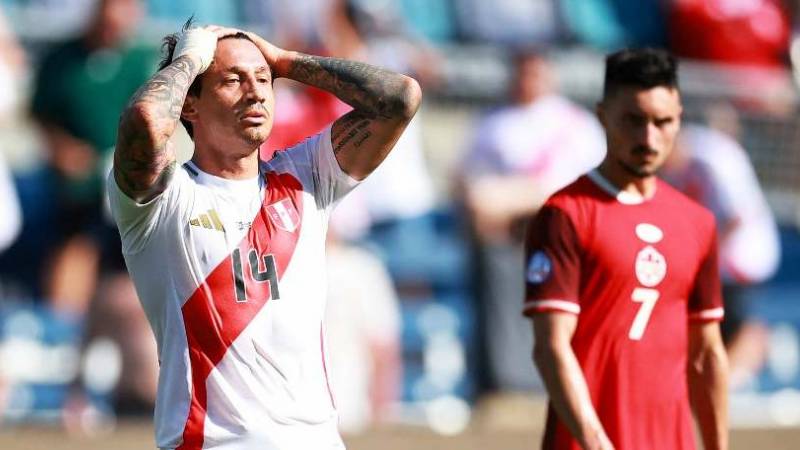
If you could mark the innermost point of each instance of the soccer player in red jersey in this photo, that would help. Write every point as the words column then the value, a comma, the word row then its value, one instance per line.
column 623, row 285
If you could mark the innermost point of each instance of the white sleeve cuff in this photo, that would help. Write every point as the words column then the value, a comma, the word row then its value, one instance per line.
column 708, row 314
column 533, row 306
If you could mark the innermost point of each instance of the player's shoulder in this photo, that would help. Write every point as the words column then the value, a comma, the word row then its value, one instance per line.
column 574, row 195
column 285, row 161
column 570, row 206
column 290, row 168
column 187, row 173
column 689, row 208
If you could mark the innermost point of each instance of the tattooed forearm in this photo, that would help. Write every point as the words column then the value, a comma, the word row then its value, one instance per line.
column 167, row 90
column 383, row 104
column 373, row 91
column 142, row 159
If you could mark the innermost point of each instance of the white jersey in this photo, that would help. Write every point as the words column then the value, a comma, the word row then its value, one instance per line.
column 231, row 275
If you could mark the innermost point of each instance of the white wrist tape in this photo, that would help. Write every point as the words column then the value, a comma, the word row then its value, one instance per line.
column 199, row 42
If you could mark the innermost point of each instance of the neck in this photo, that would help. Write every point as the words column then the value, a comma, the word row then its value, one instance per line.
column 232, row 166
column 624, row 180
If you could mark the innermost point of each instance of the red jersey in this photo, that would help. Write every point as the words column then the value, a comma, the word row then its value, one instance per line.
column 635, row 272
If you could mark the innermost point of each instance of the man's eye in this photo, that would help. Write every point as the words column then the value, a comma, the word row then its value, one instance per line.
column 663, row 122
column 231, row 80
column 636, row 120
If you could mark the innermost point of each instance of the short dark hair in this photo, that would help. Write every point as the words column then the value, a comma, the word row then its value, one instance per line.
column 644, row 68
column 168, row 50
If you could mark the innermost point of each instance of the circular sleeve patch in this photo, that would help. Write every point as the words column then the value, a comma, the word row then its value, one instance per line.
column 539, row 268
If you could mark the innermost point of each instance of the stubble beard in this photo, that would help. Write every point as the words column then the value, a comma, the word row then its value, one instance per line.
column 255, row 136
column 638, row 172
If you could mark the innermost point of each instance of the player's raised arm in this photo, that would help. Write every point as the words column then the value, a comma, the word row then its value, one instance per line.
column 143, row 160
column 708, row 383
column 564, row 380
column 383, row 102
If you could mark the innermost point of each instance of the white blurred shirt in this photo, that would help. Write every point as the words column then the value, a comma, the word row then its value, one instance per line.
column 718, row 174
column 551, row 140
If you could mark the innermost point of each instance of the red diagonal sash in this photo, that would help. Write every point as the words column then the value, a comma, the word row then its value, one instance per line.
column 213, row 317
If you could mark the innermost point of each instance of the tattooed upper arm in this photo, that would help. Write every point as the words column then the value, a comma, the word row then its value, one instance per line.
column 383, row 104
column 143, row 159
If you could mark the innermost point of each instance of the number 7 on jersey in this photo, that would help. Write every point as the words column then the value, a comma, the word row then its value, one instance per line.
column 648, row 298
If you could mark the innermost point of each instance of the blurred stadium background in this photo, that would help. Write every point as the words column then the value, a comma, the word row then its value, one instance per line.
column 63, row 382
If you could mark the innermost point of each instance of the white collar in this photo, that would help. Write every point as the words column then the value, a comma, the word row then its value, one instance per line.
column 213, row 180
column 624, row 197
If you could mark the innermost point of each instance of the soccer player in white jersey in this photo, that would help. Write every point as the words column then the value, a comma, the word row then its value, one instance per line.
column 227, row 251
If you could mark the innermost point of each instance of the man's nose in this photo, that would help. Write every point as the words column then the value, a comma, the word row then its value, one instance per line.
column 649, row 136
column 255, row 91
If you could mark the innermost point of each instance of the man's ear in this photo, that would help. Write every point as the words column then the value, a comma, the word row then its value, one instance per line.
column 189, row 110
column 599, row 110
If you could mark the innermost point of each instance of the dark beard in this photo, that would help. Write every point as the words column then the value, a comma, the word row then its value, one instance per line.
column 637, row 172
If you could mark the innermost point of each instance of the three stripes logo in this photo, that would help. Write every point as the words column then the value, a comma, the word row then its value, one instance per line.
column 210, row 221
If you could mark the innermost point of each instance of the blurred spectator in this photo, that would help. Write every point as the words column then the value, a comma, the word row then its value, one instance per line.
column 750, row 38
column 746, row 32
column 13, row 66
column 298, row 24
column 520, row 155
column 362, row 328
column 611, row 24
column 81, row 87
column 713, row 169
column 393, row 208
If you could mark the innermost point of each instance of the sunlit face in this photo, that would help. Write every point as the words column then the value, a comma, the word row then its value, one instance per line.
column 641, row 127
column 235, row 106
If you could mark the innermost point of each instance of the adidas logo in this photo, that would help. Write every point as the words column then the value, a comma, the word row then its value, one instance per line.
column 210, row 221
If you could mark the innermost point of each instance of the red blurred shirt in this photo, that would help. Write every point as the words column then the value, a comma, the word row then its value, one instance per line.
column 746, row 32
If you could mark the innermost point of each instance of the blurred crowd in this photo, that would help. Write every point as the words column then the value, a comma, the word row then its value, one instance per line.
column 426, row 272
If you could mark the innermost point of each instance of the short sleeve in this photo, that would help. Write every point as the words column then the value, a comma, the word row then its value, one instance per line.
column 332, row 183
column 553, row 264
column 138, row 222
column 705, row 301
column 314, row 161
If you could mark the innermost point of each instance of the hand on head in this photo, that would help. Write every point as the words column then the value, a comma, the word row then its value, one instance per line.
column 198, row 43
column 201, row 43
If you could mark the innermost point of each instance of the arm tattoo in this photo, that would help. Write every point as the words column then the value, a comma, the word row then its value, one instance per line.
column 142, row 163
column 375, row 92
column 354, row 128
